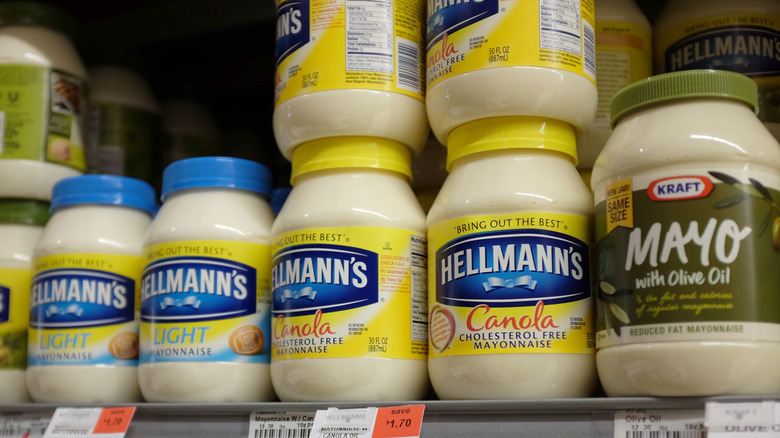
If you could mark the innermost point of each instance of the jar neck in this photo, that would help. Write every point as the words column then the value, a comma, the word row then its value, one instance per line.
column 520, row 156
column 378, row 175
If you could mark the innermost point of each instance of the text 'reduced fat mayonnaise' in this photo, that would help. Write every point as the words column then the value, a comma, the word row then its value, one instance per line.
column 83, row 336
column 740, row 36
column 349, row 276
column 496, row 58
column 21, row 225
column 205, row 304
column 43, row 109
column 349, row 68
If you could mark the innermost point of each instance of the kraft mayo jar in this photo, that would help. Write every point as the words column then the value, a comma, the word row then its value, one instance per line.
column 496, row 58
column 623, row 55
column 349, row 276
column 740, row 36
column 349, row 69
column 205, row 309
column 688, row 236
column 83, row 336
column 21, row 224
column 42, row 112
column 510, row 305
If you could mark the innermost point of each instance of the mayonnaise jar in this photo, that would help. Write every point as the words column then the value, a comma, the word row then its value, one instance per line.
column 624, row 54
column 83, row 336
column 739, row 36
column 510, row 295
column 349, row 69
column 42, row 113
column 205, row 308
column 21, row 224
column 496, row 58
column 688, row 240
column 349, row 276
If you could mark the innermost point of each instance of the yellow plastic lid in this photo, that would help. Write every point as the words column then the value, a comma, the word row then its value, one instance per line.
column 351, row 152
column 500, row 133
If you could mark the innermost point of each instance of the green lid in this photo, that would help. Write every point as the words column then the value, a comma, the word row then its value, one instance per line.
column 684, row 85
column 23, row 211
column 21, row 13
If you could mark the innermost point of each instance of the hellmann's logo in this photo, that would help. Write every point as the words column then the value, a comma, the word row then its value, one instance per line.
column 679, row 188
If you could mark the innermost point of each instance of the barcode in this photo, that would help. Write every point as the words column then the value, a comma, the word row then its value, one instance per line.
column 16, row 432
column 282, row 433
column 408, row 76
column 666, row 434
column 589, row 52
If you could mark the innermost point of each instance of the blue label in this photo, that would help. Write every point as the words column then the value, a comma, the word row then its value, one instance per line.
column 751, row 50
column 72, row 298
column 189, row 289
column 324, row 277
column 292, row 28
column 5, row 304
column 512, row 269
column 447, row 16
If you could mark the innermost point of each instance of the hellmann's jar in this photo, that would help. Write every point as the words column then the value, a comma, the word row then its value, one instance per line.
column 688, row 240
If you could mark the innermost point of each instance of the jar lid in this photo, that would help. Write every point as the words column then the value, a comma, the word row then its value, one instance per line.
column 24, row 211
column 226, row 172
column 351, row 152
column 22, row 13
column 684, row 85
column 103, row 189
column 501, row 133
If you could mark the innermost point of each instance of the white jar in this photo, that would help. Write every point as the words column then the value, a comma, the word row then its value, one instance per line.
column 44, row 88
column 21, row 224
column 349, row 276
column 510, row 58
column 688, row 240
column 124, row 119
column 624, row 55
column 205, row 309
column 739, row 36
column 509, row 287
column 349, row 69
column 83, row 337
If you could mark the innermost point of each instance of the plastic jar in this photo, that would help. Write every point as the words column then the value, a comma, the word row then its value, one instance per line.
column 739, row 36
column 45, row 83
column 349, row 71
column 509, row 285
column 510, row 58
column 124, row 123
column 21, row 224
column 688, row 240
column 83, row 337
column 205, row 309
column 349, row 268
column 624, row 55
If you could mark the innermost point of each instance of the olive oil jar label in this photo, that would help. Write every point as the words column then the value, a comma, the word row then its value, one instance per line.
column 686, row 256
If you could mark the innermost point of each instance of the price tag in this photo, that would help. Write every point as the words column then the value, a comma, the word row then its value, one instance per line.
column 399, row 422
column 23, row 425
column 659, row 423
column 280, row 425
column 743, row 420
column 90, row 422
column 344, row 423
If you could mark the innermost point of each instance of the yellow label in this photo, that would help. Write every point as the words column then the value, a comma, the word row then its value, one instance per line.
column 206, row 301
column 14, row 317
column 469, row 36
column 349, row 292
column 325, row 45
column 620, row 205
column 516, row 283
column 83, row 310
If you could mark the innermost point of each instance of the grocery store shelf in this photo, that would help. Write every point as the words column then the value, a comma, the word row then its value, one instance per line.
column 560, row 418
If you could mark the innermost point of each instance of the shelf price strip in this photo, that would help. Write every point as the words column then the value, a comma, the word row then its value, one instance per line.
column 90, row 422
column 23, row 425
column 659, row 423
column 386, row 422
column 743, row 419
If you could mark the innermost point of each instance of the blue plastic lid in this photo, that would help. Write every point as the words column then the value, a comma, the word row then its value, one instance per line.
column 103, row 189
column 201, row 172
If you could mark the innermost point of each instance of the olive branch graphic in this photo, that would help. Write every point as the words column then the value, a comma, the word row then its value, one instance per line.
column 753, row 190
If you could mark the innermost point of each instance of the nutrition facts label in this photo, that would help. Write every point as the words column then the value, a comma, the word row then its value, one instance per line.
column 370, row 35
column 560, row 23
column 419, row 280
